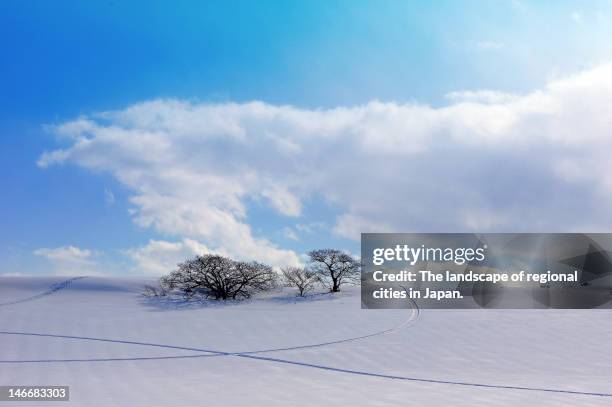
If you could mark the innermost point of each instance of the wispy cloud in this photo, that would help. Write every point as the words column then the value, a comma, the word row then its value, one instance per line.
column 487, row 161
column 290, row 234
column 69, row 260
column 109, row 197
column 311, row 227
column 481, row 96
column 159, row 257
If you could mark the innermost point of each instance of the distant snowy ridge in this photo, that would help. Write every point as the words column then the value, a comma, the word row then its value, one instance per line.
column 52, row 290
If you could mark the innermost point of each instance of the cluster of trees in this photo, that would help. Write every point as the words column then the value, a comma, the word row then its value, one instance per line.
column 221, row 278
column 217, row 277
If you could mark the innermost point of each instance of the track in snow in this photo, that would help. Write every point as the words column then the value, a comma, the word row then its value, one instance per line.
column 254, row 356
column 52, row 290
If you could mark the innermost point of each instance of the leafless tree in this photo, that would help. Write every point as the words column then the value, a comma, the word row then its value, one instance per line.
column 334, row 267
column 218, row 277
column 303, row 279
column 155, row 291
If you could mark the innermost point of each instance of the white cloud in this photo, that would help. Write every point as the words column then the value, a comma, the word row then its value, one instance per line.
column 161, row 257
column 351, row 226
column 481, row 96
column 109, row 197
column 311, row 227
column 283, row 201
column 290, row 234
column 486, row 161
column 69, row 260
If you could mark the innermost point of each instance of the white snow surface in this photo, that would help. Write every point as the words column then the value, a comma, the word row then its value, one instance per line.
column 114, row 347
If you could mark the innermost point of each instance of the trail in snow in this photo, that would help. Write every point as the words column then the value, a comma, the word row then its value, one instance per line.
column 415, row 313
column 52, row 290
column 424, row 380
column 212, row 352
column 311, row 365
column 413, row 318
column 254, row 355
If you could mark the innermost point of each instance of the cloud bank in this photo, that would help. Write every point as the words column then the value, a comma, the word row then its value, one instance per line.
column 159, row 257
column 69, row 260
column 487, row 161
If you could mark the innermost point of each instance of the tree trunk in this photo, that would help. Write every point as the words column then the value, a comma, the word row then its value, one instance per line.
column 335, row 286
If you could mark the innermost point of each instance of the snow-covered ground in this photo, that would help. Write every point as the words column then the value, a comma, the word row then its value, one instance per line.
column 114, row 347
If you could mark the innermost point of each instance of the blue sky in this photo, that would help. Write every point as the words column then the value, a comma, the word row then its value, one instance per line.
column 62, row 61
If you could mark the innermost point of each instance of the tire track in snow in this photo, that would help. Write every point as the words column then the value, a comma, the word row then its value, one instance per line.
column 215, row 353
column 133, row 358
column 121, row 341
column 412, row 319
column 52, row 290
column 416, row 312
column 424, row 380
column 211, row 352
column 254, row 356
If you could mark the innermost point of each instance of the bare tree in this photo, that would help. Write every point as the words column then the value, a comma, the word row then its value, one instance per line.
column 155, row 291
column 253, row 276
column 218, row 277
column 334, row 267
column 303, row 279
